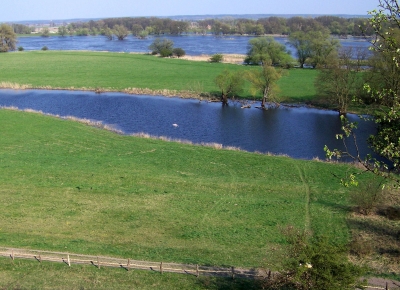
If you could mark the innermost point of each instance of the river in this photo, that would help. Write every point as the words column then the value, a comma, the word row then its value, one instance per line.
column 192, row 44
column 298, row 132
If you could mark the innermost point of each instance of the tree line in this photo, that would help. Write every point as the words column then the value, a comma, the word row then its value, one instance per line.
column 142, row 26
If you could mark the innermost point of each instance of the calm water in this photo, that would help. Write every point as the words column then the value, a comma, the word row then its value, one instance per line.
column 192, row 44
column 297, row 132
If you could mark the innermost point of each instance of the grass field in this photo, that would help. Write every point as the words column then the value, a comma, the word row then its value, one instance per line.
column 67, row 186
column 119, row 71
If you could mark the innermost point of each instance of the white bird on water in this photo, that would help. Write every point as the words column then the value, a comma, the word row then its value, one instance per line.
column 175, row 125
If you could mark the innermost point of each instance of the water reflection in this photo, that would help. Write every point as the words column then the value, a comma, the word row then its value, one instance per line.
column 297, row 132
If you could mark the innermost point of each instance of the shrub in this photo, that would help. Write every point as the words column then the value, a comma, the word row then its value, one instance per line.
column 165, row 52
column 218, row 57
column 315, row 264
column 45, row 48
column 366, row 196
column 20, row 48
column 178, row 52
column 162, row 46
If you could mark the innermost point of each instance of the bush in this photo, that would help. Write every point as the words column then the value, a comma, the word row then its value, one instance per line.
column 162, row 46
column 366, row 196
column 20, row 48
column 315, row 264
column 178, row 52
column 165, row 52
column 45, row 48
column 218, row 57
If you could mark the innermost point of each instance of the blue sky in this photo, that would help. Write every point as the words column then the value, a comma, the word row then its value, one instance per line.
column 18, row 10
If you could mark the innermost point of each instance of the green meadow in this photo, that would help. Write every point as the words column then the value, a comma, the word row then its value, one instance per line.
column 119, row 71
column 66, row 186
column 70, row 187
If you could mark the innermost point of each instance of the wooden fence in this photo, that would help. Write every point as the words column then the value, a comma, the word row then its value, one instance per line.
column 128, row 264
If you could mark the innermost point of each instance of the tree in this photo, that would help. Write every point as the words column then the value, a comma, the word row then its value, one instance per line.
column 136, row 29
column 339, row 80
column 46, row 32
column 264, row 81
column 386, row 142
column 178, row 52
column 8, row 38
column 62, row 30
column 120, row 32
column 108, row 33
column 162, row 47
column 263, row 50
column 322, row 45
column 314, row 46
column 229, row 83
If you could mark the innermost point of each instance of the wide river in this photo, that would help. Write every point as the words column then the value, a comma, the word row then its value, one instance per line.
column 295, row 131
column 192, row 44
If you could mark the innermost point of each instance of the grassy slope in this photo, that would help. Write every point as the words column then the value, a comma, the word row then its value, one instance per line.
column 66, row 186
column 120, row 71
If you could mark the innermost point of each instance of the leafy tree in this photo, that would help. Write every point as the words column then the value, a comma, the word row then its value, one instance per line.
column 263, row 50
column 339, row 80
column 314, row 46
column 108, row 33
column 322, row 45
column 120, row 32
column 386, row 142
column 8, row 38
column 264, row 81
column 162, row 47
column 229, row 83
column 82, row 32
column 178, row 52
column 136, row 29
column 62, row 30
column 143, row 34
column 384, row 73
column 45, row 32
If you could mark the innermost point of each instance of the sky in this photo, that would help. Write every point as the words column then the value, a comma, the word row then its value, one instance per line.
column 19, row 10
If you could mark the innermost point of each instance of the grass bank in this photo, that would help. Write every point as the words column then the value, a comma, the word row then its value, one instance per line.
column 123, row 71
column 69, row 187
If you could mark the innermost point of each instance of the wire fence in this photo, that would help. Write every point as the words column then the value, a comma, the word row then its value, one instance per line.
column 128, row 264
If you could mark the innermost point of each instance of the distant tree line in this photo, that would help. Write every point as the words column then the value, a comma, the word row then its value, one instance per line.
column 143, row 26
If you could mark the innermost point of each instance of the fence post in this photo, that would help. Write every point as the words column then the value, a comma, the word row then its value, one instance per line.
column 12, row 255
column 197, row 270
column 233, row 272
column 40, row 258
column 98, row 262
column 69, row 261
column 161, row 268
column 387, row 287
column 128, row 265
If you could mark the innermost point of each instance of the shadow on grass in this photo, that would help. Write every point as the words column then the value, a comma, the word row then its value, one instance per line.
column 229, row 283
column 379, row 229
